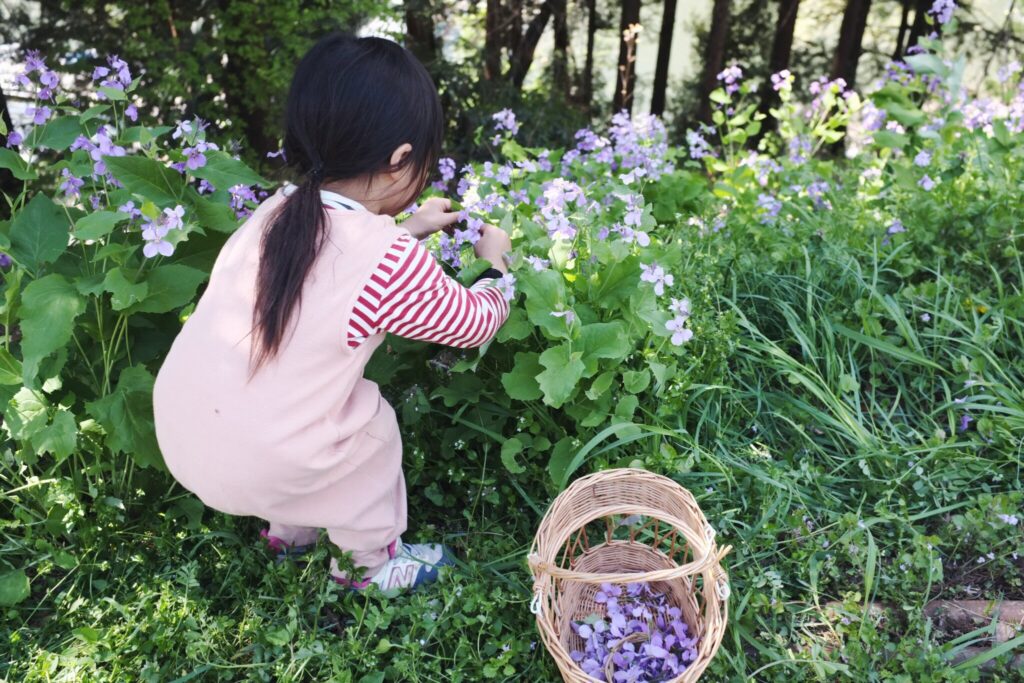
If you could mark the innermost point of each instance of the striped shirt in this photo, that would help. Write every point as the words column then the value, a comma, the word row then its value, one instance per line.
column 409, row 295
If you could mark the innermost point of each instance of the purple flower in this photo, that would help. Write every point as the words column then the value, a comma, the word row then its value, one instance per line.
column 942, row 10
column 926, row 182
column 446, row 166
column 33, row 62
column 965, row 421
column 770, row 205
column 872, row 117
column 923, row 158
column 507, row 285
column 5, row 261
column 538, row 263
column 100, row 72
column 71, row 185
column 129, row 208
column 14, row 138
column 656, row 274
column 926, row 317
column 240, row 194
column 782, row 80
column 39, row 114
column 731, row 77
column 506, row 120
column 699, row 147
column 205, row 187
column 896, row 227
column 132, row 112
column 194, row 158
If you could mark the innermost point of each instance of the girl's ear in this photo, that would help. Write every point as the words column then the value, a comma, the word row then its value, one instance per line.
column 400, row 153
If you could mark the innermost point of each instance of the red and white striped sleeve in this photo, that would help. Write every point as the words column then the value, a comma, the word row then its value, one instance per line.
column 409, row 295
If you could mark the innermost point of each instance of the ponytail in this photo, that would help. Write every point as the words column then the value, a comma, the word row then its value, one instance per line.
column 288, row 249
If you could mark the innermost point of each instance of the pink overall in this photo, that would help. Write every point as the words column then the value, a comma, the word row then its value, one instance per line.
column 308, row 443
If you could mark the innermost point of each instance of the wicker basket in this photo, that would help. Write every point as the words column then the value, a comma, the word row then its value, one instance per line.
column 624, row 526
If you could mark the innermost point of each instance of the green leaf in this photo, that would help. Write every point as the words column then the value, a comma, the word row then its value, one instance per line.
column 39, row 233
column 116, row 94
column 26, row 414
column 521, row 382
column 126, row 415
column 516, row 327
column 224, row 172
column 509, row 450
column 545, row 292
column 123, row 292
column 147, row 178
column 848, row 384
column 49, row 308
column 13, row 162
column 14, row 587
column 59, row 133
column 561, row 457
column 719, row 96
column 92, row 112
column 563, row 373
column 93, row 226
column 170, row 287
column 887, row 138
column 60, row 437
column 462, row 389
column 216, row 217
column 10, row 368
column 600, row 385
column 636, row 381
column 605, row 340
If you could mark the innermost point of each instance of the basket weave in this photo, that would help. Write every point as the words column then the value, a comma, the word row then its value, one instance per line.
column 665, row 542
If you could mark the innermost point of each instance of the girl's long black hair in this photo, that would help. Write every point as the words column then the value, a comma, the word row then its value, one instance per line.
column 352, row 103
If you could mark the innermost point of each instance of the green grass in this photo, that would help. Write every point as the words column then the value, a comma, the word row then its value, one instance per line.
column 831, row 460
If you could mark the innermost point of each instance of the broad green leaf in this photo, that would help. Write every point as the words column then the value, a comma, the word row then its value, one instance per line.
column 13, row 162
column 612, row 285
column 605, row 340
column 126, row 415
column 14, row 587
column 563, row 372
column 516, row 327
column 93, row 226
column 39, row 233
column 25, row 414
column 60, row 437
column 116, row 94
column 148, row 178
column 123, row 292
column 521, row 382
column 92, row 112
column 170, row 287
column 545, row 292
column 636, row 381
column 59, row 133
column 224, row 172
column 509, row 450
column 10, row 368
column 561, row 456
column 601, row 385
column 462, row 389
column 49, row 308
column 214, row 216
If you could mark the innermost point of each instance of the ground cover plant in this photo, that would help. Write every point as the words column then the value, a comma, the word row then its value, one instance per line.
column 825, row 350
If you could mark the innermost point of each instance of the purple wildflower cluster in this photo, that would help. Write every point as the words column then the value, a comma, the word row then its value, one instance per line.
column 942, row 10
column 657, row 276
column 782, row 81
column 155, row 230
column 115, row 76
column 731, row 77
column 634, row 148
column 100, row 145
column 554, row 203
column 505, row 123
column 644, row 636
column 677, row 325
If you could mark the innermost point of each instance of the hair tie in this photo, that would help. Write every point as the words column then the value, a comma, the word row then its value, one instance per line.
column 317, row 172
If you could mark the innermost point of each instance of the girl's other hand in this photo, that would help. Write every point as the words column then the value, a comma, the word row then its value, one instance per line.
column 493, row 244
column 434, row 214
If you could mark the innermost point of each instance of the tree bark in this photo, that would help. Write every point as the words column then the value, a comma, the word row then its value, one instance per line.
column 523, row 57
column 588, row 63
column 920, row 26
column 419, row 27
column 625, row 81
column 714, row 58
column 904, row 27
column 493, row 35
column 560, row 59
column 851, row 37
column 782, row 51
column 668, row 21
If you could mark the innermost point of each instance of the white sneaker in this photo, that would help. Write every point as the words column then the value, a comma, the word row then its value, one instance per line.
column 410, row 565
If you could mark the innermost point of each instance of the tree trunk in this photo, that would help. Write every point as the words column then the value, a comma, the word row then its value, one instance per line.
column 523, row 57
column 588, row 64
column 920, row 26
column 493, row 25
column 714, row 58
column 782, row 51
column 851, row 36
column 419, row 27
column 625, row 81
column 668, row 21
column 904, row 27
column 560, row 59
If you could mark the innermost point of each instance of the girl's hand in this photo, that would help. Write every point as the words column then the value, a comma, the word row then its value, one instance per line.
column 434, row 214
column 493, row 244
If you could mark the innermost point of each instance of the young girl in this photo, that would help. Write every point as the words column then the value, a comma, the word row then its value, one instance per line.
column 261, row 407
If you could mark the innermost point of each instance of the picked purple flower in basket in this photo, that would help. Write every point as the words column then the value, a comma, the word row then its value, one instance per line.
column 628, row 581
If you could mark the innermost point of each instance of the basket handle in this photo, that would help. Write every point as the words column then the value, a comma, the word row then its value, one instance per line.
column 554, row 571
